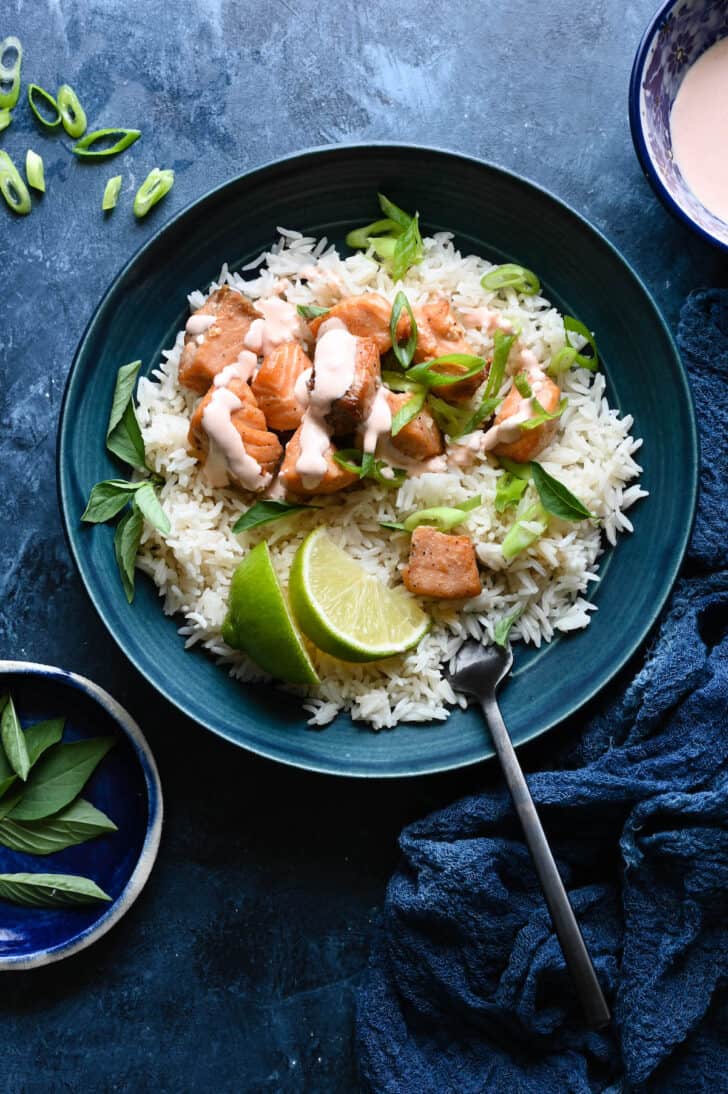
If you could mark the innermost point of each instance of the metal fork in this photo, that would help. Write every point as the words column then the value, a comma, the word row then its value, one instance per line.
column 478, row 671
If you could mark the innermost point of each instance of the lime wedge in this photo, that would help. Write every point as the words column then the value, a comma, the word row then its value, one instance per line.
column 347, row 612
column 259, row 622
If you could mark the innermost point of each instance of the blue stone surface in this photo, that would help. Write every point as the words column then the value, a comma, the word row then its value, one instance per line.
column 237, row 968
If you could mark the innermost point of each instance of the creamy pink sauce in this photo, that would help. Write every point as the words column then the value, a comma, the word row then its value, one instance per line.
column 484, row 319
column 699, row 128
column 379, row 421
column 280, row 323
column 227, row 456
column 242, row 369
column 198, row 323
column 333, row 372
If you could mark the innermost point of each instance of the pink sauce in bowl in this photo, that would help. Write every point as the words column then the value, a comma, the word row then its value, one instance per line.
column 699, row 129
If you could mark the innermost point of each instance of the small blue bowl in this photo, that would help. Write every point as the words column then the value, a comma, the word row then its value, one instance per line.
column 125, row 786
column 679, row 34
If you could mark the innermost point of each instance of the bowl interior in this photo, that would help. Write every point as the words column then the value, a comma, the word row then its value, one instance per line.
column 680, row 34
column 492, row 213
column 118, row 787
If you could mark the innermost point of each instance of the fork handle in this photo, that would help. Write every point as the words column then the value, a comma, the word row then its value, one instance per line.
column 567, row 929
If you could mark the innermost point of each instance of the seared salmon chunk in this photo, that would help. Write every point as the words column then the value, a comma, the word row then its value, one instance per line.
column 215, row 337
column 421, row 438
column 352, row 408
column 530, row 442
column 274, row 386
column 441, row 566
column 438, row 335
column 334, row 479
column 366, row 316
column 248, row 421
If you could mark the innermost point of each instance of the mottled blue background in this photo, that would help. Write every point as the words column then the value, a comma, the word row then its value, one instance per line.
column 237, row 968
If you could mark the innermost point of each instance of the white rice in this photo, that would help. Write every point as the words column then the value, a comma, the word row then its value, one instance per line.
column 592, row 453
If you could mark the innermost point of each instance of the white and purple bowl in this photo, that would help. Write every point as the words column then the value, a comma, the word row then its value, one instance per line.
column 679, row 34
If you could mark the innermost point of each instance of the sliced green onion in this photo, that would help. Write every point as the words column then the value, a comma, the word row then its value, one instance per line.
column 502, row 344
column 522, row 385
column 519, row 470
column 562, row 361
column 85, row 148
column 427, row 374
column 360, row 238
column 542, row 415
column 409, row 249
column 403, row 353
column 399, row 381
column 311, row 311
column 444, row 517
column 409, row 411
column 510, row 276
column 509, row 491
column 520, row 536
column 585, row 361
column 72, row 113
column 6, row 116
column 486, row 410
column 111, row 193
column 393, row 212
column 10, row 73
column 451, row 419
column 365, row 466
column 383, row 246
column 155, row 186
column 34, row 170
column 503, row 627
column 36, row 96
column 12, row 187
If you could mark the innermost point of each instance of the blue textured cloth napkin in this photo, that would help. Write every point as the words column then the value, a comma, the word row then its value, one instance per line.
column 467, row 989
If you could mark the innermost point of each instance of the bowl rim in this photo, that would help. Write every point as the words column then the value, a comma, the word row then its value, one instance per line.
column 638, row 137
column 155, row 804
column 315, row 765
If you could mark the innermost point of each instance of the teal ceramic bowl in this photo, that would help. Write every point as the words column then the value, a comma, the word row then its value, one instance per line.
column 493, row 213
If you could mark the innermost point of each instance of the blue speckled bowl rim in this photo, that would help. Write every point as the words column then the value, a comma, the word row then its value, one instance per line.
column 112, row 913
column 691, row 442
column 638, row 137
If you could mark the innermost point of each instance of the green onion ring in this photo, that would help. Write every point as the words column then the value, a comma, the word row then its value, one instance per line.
column 511, row 276
column 6, row 116
column 428, row 375
column 155, row 186
column 34, row 170
column 522, row 386
column 403, row 353
column 35, row 92
column 72, row 113
column 111, row 193
column 358, row 238
column 12, row 187
column 85, row 149
column 410, row 410
column 10, row 74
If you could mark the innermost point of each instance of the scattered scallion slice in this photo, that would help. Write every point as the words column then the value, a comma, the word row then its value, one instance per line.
column 34, row 170
column 399, row 381
column 503, row 627
column 6, row 116
column 395, row 239
column 403, row 353
column 589, row 361
column 393, row 211
column 311, row 311
column 509, row 491
column 86, row 150
column 72, row 113
column 155, row 186
column 408, row 249
column 522, row 385
column 36, row 97
column 444, row 517
column 409, row 411
column 542, row 415
column 451, row 419
column 530, row 526
column 427, row 372
column 511, row 276
column 12, row 187
column 502, row 344
column 361, row 238
column 111, row 193
column 10, row 72
column 366, row 466
column 562, row 361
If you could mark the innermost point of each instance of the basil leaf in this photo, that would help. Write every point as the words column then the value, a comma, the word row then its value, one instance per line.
column 59, row 777
column 263, row 512
column 126, row 544
column 9, row 801
column 49, row 890
column 403, row 353
column 409, row 411
column 13, row 740
column 503, row 627
column 427, row 374
column 365, row 466
column 542, row 415
column 125, row 440
column 148, row 503
column 408, row 249
column 522, row 386
column 590, row 362
column 4, row 699
column 502, row 344
column 6, row 782
column 42, row 735
column 509, row 491
column 79, row 822
column 519, row 537
column 393, row 212
column 556, row 498
column 123, row 391
column 311, row 311
column 511, row 276
column 107, row 499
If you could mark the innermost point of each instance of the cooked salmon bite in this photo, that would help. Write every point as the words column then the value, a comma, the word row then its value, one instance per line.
column 439, row 335
column 441, row 566
column 529, row 442
column 366, row 316
column 215, row 337
column 335, row 478
column 228, row 459
column 421, row 438
column 352, row 408
column 274, row 386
